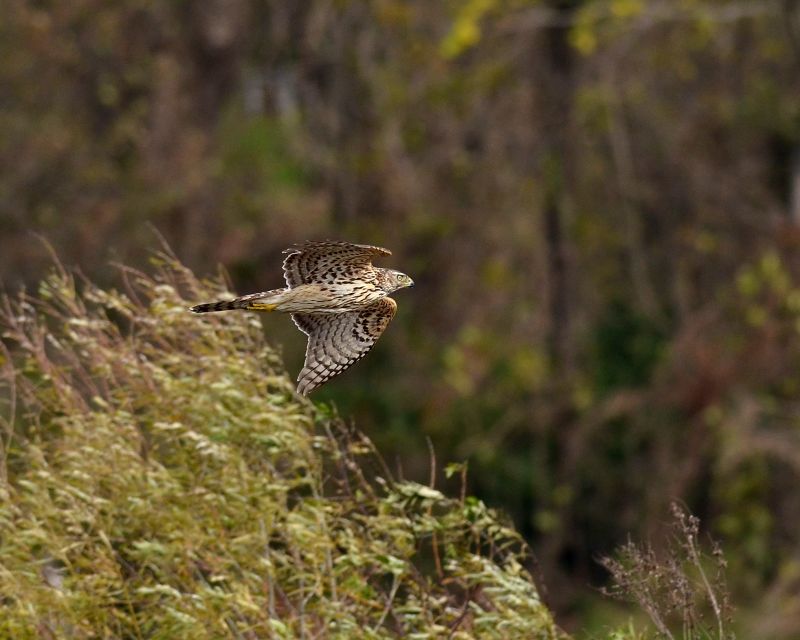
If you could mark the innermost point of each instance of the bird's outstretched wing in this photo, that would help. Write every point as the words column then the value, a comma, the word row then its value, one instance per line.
column 327, row 262
column 336, row 341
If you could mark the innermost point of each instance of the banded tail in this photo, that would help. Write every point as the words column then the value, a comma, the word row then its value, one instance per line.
column 262, row 301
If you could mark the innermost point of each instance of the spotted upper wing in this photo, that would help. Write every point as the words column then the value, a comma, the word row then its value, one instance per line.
column 336, row 341
column 328, row 261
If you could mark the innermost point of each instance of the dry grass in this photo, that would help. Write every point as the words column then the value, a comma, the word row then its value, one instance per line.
column 682, row 590
column 160, row 479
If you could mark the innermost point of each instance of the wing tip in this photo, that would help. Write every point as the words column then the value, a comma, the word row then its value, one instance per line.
column 305, row 387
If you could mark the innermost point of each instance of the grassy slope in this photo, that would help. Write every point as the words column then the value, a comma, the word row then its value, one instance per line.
column 161, row 480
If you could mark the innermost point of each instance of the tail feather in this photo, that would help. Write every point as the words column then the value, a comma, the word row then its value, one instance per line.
column 256, row 301
column 222, row 305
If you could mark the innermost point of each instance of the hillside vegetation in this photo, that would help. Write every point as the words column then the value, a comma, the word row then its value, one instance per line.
column 160, row 479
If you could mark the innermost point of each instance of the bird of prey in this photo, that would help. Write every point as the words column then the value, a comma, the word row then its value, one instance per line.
column 336, row 297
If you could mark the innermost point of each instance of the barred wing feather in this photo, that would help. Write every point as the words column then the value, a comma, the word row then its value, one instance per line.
column 328, row 261
column 337, row 341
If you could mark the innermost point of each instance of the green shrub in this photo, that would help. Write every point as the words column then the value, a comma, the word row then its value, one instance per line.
column 160, row 479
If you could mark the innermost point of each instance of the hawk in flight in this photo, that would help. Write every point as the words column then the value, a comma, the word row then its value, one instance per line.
column 336, row 297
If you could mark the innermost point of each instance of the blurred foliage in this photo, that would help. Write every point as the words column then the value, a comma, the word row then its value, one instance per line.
column 598, row 200
column 627, row 348
column 160, row 479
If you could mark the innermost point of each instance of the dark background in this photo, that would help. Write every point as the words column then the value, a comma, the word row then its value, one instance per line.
column 599, row 202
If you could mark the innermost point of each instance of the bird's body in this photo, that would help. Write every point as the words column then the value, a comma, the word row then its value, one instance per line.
column 304, row 298
column 336, row 297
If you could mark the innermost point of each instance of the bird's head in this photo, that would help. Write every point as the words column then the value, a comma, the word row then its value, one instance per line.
column 394, row 280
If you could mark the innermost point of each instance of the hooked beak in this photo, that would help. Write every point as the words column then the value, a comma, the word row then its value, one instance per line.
column 410, row 283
